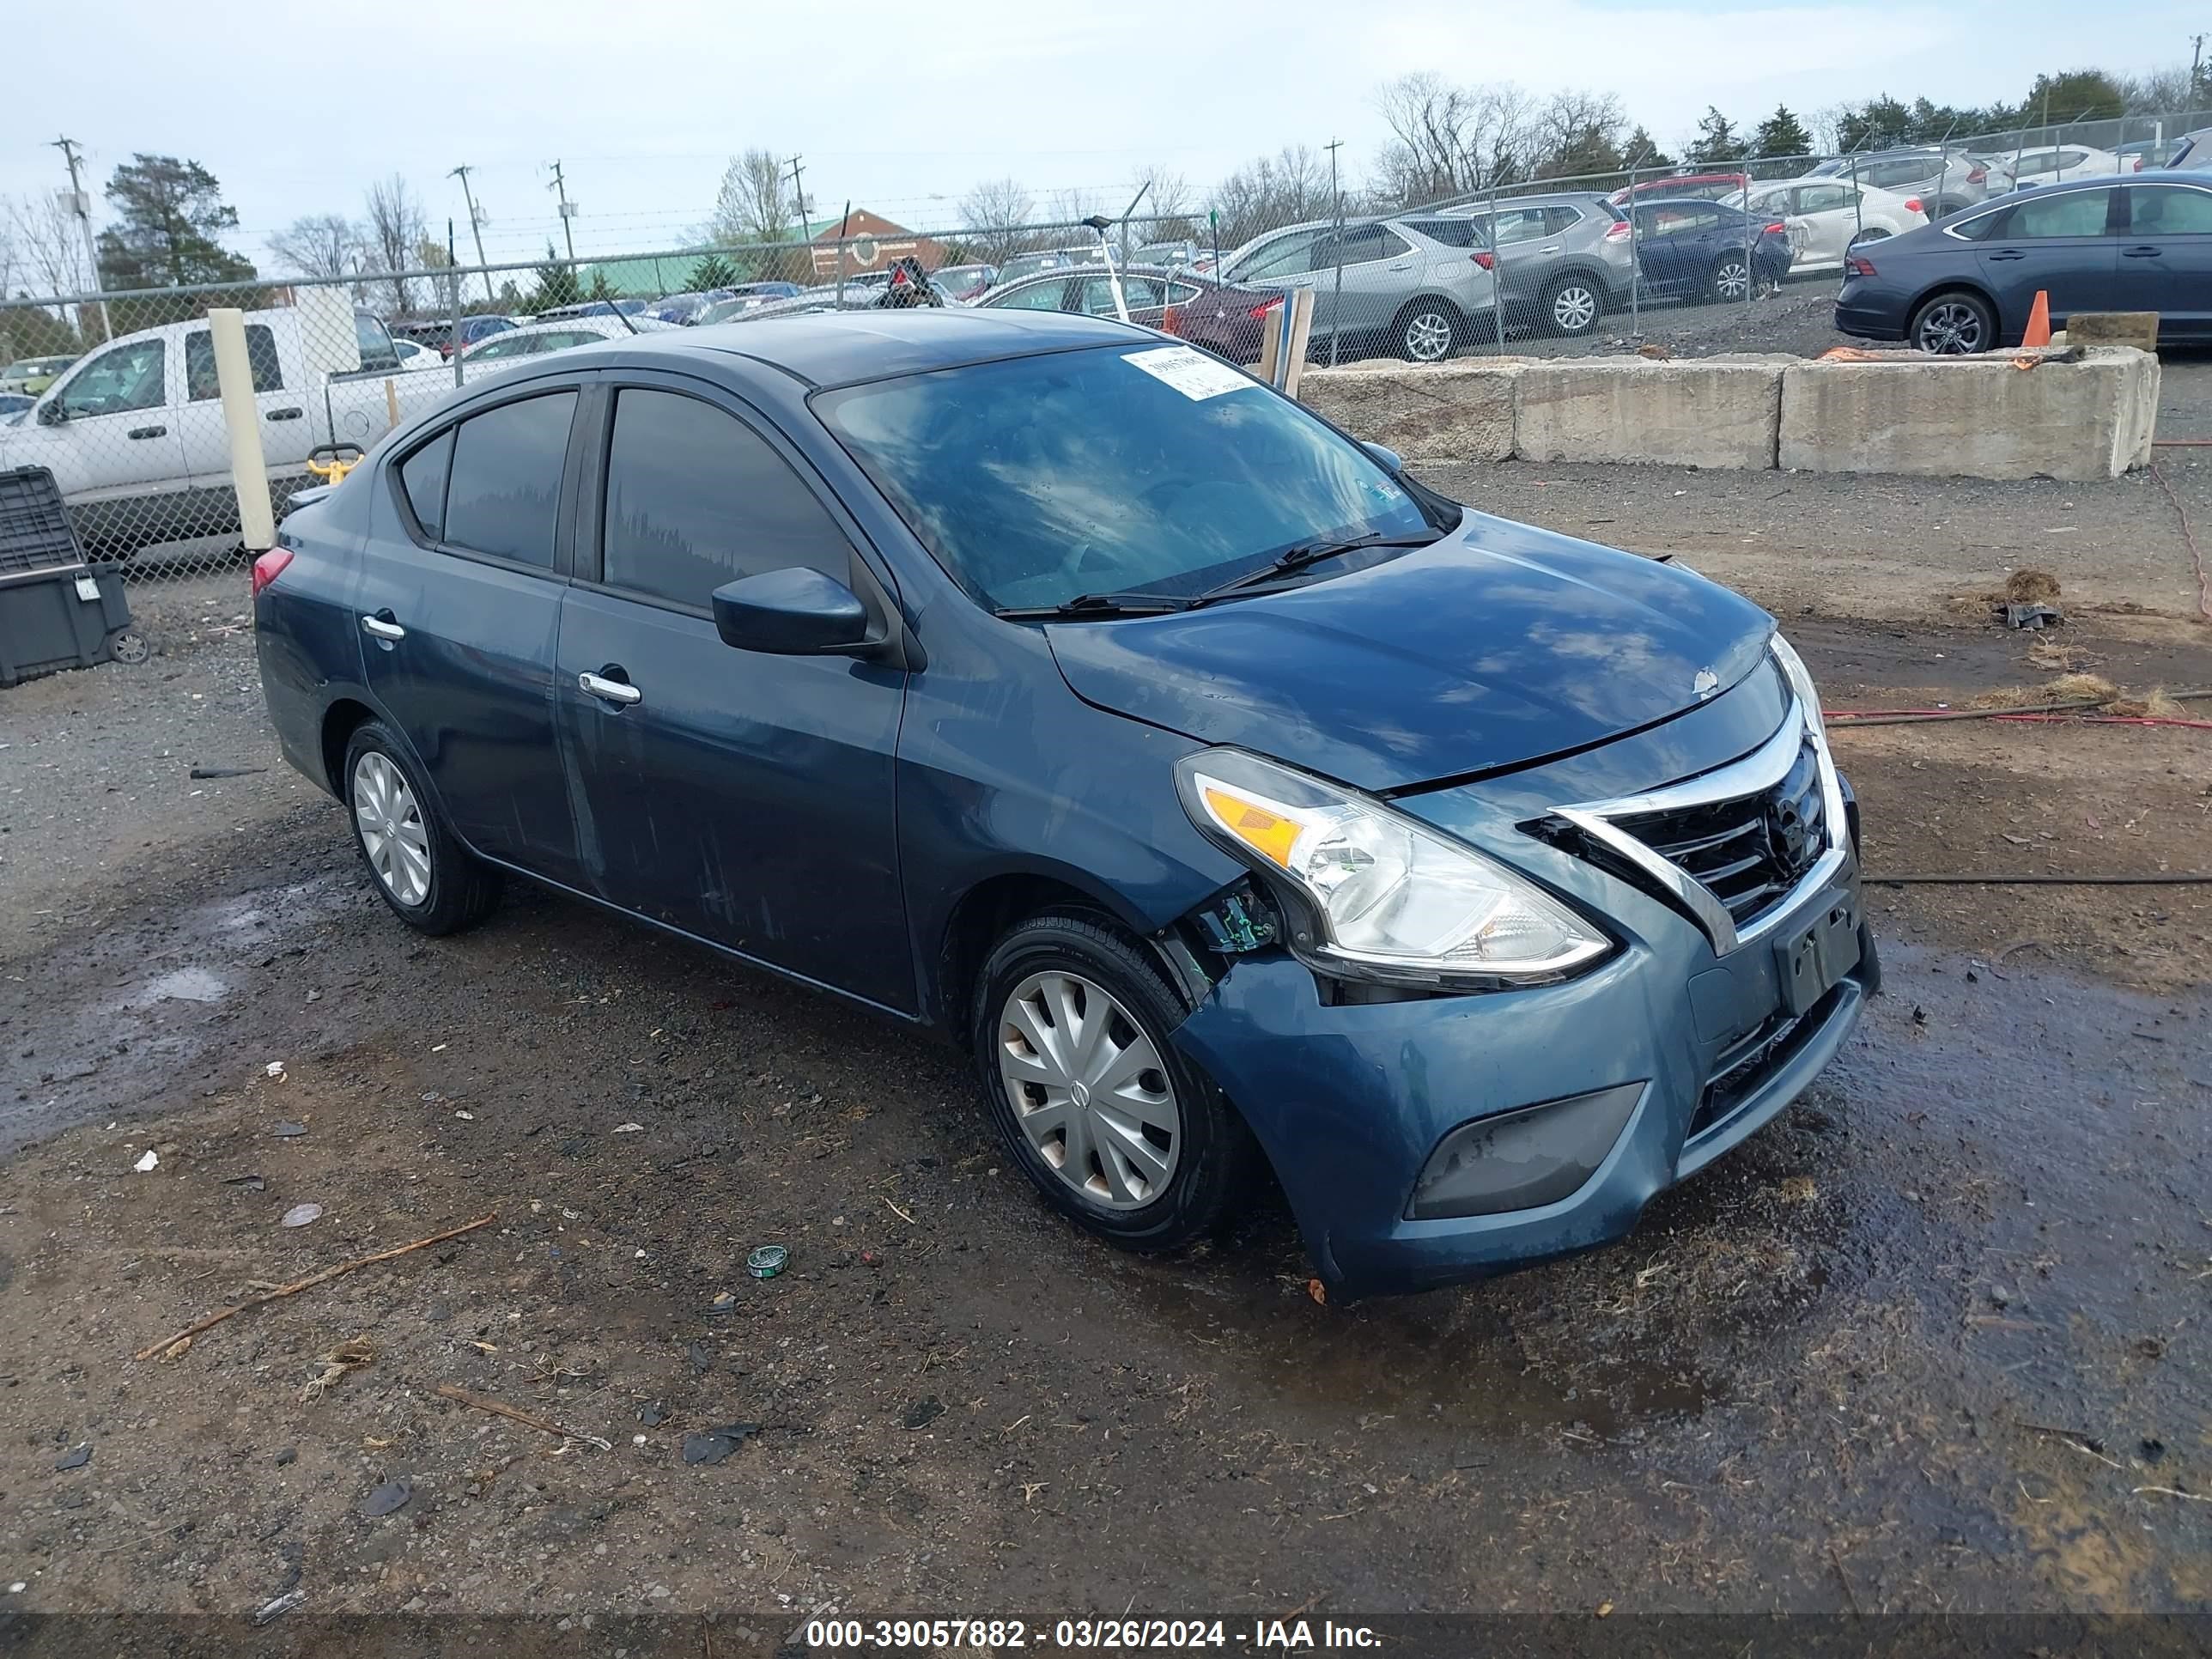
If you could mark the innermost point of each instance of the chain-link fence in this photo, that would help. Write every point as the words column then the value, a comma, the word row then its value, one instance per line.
column 117, row 393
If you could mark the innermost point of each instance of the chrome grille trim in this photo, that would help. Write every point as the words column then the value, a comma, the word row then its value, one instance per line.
column 1757, row 771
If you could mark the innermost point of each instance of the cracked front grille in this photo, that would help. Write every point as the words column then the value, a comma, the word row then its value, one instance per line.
column 1750, row 851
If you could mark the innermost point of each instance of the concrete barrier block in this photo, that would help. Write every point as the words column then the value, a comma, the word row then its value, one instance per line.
column 1700, row 413
column 1460, row 411
column 1975, row 417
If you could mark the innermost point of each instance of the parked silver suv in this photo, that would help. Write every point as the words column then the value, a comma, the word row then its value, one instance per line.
column 1944, row 183
column 1403, row 290
column 1564, row 260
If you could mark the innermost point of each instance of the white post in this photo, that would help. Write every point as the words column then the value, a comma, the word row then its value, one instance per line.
column 241, row 417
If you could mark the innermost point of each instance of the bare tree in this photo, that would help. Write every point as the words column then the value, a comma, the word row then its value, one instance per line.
column 1167, row 201
column 1577, row 133
column 320, row 244
column 1270, row 191
column 395, row 230
column 1450, row 140
column 754, row 204
column 994, row 214
column 2159, row 91
column 1067, row 206
column 49, row 244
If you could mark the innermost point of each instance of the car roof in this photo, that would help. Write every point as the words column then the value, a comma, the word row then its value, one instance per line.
column 1547, row 198
column 842, row 348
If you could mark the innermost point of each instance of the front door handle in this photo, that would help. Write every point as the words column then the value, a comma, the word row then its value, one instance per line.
column 2009, row 253
column 139, row 432
column 382, row 627
column 620, row 693
column 2140, row 252
column 1401, row 265
column 284, row 414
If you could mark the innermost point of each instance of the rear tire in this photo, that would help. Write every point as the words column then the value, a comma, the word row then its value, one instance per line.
column 431, row 883
column 1427, row 330
column 1954, row 324
column 1074, row 1047
column 1730, row 280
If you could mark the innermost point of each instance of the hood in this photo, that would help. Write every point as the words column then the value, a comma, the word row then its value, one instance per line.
column 1499, row 646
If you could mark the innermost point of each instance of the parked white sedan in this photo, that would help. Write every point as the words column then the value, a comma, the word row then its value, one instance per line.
column 515, row 345
column 1826, row 217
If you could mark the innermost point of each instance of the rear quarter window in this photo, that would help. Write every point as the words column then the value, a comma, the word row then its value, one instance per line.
column 422, row 477
column 504, row 489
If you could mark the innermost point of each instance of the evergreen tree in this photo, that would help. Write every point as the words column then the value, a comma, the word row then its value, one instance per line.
column 1781, row 134
column 167, row 214
column 556, row 283
column 712, row 272
column 1716, row 139
column 1642, row 152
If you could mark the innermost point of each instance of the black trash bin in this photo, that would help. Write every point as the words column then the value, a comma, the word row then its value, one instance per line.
column 56, row 610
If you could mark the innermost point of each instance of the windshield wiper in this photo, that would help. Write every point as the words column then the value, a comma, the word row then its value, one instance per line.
column 1084, row 605
column 1292, row 559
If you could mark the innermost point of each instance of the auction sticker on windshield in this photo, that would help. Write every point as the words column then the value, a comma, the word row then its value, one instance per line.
column 1191, row 372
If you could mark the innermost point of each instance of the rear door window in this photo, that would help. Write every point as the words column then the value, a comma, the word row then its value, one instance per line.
column 200, row 381
column 1452, row 233
column 504, row 495
column 2172, row 210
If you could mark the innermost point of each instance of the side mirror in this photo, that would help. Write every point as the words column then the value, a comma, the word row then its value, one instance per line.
column 791, row 613
column 52, row 413
column 1386, row 456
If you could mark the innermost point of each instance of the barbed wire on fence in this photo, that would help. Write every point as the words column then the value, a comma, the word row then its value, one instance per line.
column 126, row 413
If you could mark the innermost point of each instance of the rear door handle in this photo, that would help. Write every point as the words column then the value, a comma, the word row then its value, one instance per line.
column 284, row 414
column 138, row 432
column 1400, row 265
column 621, row 693
column 2009, row 253
column 2140, row 252
column 382, row 628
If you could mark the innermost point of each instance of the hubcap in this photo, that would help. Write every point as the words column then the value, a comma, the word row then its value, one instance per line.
column 1733, row 281
column 1574, row 309
column 392, row 833
column 1428, row 336
column 1088, row 1091
column 1951, row 331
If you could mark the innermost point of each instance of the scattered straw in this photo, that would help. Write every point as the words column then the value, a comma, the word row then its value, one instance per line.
column 2031, row 587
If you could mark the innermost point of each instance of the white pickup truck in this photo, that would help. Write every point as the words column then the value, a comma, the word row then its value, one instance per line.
column 134, row 431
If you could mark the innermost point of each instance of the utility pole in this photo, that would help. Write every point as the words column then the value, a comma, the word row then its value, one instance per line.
column 1336, row 310
column 798, row 189
column 2195, row 67
column 567, row 211
column 80, row 205
column 475, row 229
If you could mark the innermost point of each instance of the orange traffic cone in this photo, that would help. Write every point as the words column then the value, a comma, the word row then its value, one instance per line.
column 2039, row 321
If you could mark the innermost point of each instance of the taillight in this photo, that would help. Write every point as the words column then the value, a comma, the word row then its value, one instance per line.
column 1778, row 229
column 1485, row 259
column 1912, row 205
column 1977, row 175
column 269, row 567
column 1617, row 231
column 1168, row 320
column 1260, row 311
column 1857, row 265
column 2138, row 165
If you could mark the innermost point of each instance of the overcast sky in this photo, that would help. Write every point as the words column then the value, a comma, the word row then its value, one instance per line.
column 904, row 106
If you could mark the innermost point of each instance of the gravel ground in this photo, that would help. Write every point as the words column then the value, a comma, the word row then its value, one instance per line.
column 1929, row 1343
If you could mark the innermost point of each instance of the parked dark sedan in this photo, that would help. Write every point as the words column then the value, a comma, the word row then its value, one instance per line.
column 1235, row 801
column 2139, row 242
column 1229, row 322
column 1702, row 250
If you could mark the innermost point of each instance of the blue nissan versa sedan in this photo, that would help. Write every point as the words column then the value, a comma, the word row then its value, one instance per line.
column 1240, row 803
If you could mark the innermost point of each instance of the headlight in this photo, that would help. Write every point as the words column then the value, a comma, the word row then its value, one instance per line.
column 1801, row 682
column 1383, row 897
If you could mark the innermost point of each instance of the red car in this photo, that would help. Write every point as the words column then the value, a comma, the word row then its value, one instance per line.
column 1705, row 186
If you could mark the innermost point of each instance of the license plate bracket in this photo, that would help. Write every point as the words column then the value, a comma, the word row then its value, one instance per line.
column 1811, row 957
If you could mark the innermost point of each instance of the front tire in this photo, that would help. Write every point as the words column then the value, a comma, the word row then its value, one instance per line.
column 1119, row 1133
column 1427, row 329
column 431, row 883
column 1954, row 324
column 1572, row 305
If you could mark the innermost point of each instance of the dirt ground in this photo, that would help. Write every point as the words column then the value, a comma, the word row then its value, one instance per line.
column 1931, row 1343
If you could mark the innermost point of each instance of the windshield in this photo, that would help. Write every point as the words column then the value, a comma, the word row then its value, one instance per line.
column 1159, row 470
